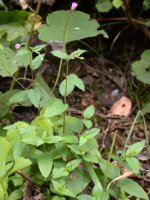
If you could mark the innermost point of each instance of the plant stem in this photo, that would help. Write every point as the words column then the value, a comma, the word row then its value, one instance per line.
column 109, row 156
column 64, row 50
column 65, row 100
column 4, row 189
column 13, row 83
column 131, row 129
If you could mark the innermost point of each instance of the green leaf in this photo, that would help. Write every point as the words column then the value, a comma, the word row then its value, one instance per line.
column 61, row 189
column 17, row 150
column 19, row 97
column 77, row 181
column 72, row 26
column 109, row 169
column 89, row 112
column 4, row 149
column 73, row 124
column 38, row 48
column 135, row 149
column 60, row 54
column 56, row 108
column 134, row 164
column 103, row 5
column 146, row 108
column 87, row 123
column 1, row 192
column 141, row 68
column 4, row 102
column 117, row 3
column 132, row 188
column 68, row 85
column 53, row 139
column 34, row 95
column 84, row 197
column 20, row 163
column 59, row 172
column 146, row 4
column 8, row 64
column 23, row 57
column 16, row 194
column 33, row 140
column 37, row 61
column 77, row 54
column 45, row 163
column 88, row 135
column 72, row 165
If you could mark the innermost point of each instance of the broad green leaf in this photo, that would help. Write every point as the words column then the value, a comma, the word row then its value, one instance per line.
column 23, row 57
column 17, row 150
column 60, row 54
column 4, row 102
column 77, row 181
column 146, row 108
column 88, row 135
column 61, row 189
column 117, row 3
column 20, row 163
column 141, row 69
column 53, row 139
column 58, row 198
column 132, row 188
column 77, row 54
column 43, row 124
column 13, row 24
column 4, row 149
column 77, row 81
column 72, row 165
column 34, row 95
column 16, row 194
column 72, row 26
column 68, row 85
column 33, row 140
column 59, row 172
column 135, row 149
column 1, row 192
column 19, row 16
column 87, row 123
column 90, row 157
column 89, row 112
column 8, row 64
column 73, row 124
column 103, row 5
column 133, row 164
column 84, row 197
column 54, row 109
column 43, row 86
column 109, row 169
column 37, row 61
column 45, row 163
column 38, row 48
column 146, row 4
column 19, row 97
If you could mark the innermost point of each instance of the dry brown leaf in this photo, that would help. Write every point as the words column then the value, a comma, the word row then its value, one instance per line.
column 122, row 107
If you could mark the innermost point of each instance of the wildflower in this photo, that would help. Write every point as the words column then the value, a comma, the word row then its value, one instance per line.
column 17, row 46
column 74, row 5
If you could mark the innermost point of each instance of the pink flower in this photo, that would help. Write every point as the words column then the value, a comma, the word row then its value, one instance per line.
column 74, row 5
column 17, row 46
